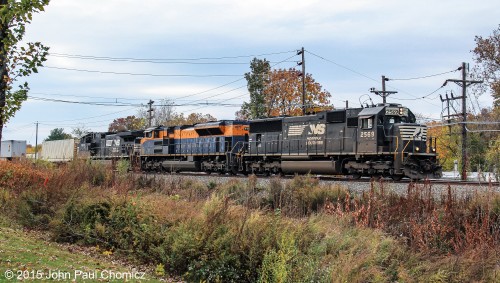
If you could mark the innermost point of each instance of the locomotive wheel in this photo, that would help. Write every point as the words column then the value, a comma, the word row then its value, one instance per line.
column 356, row 176
column 397, row 177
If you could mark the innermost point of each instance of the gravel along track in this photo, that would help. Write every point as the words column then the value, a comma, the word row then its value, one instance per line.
column 354, row 186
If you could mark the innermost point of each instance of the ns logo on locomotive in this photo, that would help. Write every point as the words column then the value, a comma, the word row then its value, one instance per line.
column 382, row 140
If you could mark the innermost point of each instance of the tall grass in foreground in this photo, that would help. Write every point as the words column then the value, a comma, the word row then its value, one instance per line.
column 430, row 222
column 293, row 231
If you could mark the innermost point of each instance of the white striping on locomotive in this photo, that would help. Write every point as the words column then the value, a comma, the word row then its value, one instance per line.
column 296, row 130
column 417, row 133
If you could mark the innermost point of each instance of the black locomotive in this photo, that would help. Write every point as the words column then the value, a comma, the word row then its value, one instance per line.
column 382, row 140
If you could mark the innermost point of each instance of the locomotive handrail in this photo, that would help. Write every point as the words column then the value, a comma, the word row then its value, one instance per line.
column 294, row 146
column 403, row 151
column 397, row 147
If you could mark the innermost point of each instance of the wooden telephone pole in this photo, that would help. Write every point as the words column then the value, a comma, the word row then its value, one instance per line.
column 464, row 83
column 383, row 93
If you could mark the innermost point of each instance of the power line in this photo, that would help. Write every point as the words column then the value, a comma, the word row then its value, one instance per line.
column 272, row 66
column 85, row 96
column 166, row 60
column 186, row 96
column 342, row 66
column 140, row 74
column 83, row 102
column 424, row 77
column 423, row 97
column 159, row 61
column 365, row 76
column 137, row 105
column 92, row 117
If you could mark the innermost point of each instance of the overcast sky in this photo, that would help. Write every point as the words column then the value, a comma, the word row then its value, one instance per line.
column 198, row 51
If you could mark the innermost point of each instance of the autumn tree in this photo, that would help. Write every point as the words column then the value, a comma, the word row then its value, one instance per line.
column 284, row 94
column 279, row 92
column 191, row 119
column 58, row 134
column 484, row 135
column 447, row 143
column 257, row 79
column 17, row 61
column 128, row 123
column 487, row 68
column 164, row 114
column 481, row 145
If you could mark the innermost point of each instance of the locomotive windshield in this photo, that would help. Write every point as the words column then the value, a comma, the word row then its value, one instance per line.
column 396, row 119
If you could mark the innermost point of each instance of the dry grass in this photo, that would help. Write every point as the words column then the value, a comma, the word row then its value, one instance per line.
column 283, row 232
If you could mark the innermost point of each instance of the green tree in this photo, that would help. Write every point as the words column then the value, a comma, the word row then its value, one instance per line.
column 16, row 61
column 487, row 57
column 58, row 134
column 257, row 79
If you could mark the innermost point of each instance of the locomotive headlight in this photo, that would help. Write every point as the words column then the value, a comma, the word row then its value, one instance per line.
column 433, row 149
column 417, row 148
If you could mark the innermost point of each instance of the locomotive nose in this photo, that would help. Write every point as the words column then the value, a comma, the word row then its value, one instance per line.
column 412, row 138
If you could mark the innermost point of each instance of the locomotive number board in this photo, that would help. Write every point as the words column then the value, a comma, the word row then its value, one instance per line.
column 396, row 111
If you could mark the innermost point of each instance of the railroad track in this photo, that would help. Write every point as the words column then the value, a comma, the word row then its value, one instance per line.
column 343, row 179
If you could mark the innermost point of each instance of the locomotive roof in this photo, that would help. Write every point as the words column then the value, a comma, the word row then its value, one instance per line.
column 153, row 128
column 315, row 117
column 266, row 119
column 371, row 111
column 130, row 133
column 220, row 123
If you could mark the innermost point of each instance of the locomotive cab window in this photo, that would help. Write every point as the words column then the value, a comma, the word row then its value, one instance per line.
column 396, row 120
column 367, row 123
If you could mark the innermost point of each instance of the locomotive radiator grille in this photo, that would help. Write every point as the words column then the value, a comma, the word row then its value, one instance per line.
column 418, row 133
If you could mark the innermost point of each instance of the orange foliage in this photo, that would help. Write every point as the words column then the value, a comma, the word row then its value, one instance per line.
column 19, row 176
column 283, row 94
column 447, row 144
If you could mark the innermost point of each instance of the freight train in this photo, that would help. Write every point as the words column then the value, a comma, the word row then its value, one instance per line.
column 381, row 140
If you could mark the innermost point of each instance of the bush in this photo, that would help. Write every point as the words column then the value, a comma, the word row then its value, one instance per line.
column 242, row 231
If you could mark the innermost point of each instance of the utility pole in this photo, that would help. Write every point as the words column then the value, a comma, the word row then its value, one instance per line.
column 303, row 64
column 36, row 141
column 464, row 83
column 448, row 117
column 383, row 93
column 150, row 111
